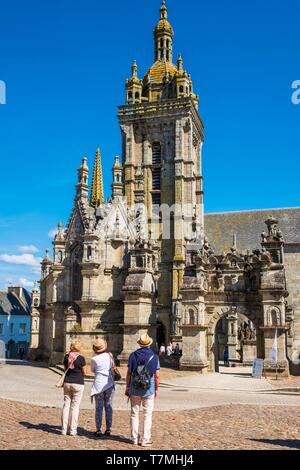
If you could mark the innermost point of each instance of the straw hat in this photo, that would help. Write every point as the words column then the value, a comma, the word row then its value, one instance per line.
column 100, row 345
column 145, row 341
column 75, row 346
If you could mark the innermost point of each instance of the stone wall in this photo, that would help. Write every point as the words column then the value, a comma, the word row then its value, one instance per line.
column 292, row 264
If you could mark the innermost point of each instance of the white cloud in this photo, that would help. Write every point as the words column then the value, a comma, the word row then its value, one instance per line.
column 28, row 249
column 52, row 233
column 23, row 282
column 27, row 259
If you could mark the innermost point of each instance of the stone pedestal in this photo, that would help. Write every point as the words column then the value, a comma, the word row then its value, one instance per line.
column 248, row 351
column 193, row 349
column 281, row 367
column 131, row 334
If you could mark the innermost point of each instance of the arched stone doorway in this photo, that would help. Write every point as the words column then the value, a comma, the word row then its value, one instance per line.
column 161, row 334
column 231, row 314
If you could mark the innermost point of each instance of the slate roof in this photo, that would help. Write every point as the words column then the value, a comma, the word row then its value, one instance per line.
column 248, row 226
column 11, row 304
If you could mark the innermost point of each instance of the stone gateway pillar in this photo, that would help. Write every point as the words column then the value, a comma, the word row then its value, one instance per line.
column 140, row 315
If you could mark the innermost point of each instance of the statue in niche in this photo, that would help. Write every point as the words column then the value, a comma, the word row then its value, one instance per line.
column 176, row 320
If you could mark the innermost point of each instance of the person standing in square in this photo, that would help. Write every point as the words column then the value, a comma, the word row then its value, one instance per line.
column 142, row 382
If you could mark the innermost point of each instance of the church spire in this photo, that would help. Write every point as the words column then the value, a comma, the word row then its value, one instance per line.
column 97, row 195
column 163, row 36
column 163, row 10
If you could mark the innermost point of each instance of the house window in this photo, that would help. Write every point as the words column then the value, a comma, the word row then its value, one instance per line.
column 22, row 328
column 1, row 328
column 137, row 95
column 11, row 328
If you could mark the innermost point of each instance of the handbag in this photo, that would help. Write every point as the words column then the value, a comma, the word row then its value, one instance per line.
column 61, row 381
column 115, row 371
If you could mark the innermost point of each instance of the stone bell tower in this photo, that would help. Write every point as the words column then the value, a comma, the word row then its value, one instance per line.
column 162, row 136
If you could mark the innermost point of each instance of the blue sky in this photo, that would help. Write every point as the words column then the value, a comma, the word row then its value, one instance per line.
column 65, row 63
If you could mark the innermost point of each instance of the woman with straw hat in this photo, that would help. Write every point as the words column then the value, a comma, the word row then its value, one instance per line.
column 75, row 368
column 103, row 387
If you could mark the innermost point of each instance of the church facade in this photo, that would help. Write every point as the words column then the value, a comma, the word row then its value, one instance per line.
column 143, row 260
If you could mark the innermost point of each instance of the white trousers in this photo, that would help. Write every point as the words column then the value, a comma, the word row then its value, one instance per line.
column 146, row 404
column 72, row 398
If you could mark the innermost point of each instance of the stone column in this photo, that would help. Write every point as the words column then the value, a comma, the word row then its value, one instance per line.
column 140, row 314
column 138, row 320
column 232, row 338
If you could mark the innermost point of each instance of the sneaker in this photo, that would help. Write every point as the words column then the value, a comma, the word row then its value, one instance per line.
column 73, row 433
column 107, row 432
column 146, row 443
column 98, row 433
column 63, row 433
column 135, row 442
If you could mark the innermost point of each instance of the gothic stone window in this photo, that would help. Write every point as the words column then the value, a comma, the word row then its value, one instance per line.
column 275, row 317
column 156, row 172
column 76, row 274
column 192, row 317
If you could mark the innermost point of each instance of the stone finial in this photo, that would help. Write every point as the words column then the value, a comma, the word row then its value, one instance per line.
column 163, row 10
column 233, row 248
column 180, row 62
column 134, row 69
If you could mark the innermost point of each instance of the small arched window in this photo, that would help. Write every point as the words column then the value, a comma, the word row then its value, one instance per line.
column 161, row 43
column 275, row 317
column 181, row 89
column 130, row 95
column 192, row 317
column 59, row 257
column 168, row 43
column 89, row 252
column 137, row 95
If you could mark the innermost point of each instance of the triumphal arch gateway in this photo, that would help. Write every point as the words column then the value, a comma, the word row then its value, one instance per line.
column 148, row 260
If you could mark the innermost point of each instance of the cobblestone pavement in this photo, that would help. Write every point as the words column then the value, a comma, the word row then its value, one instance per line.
column 24, row 426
